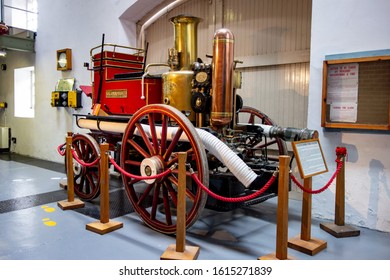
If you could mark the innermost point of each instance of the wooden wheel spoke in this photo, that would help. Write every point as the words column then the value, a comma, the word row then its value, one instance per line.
column 145, row 194
column 172, row 192
column 164, row 131
column 167, row 207
column 174, row 159
column 87, row 154
column 156, row 193
column 82, row 180
column 86, row 186
column 145, row 138
column 90, row 180
column 173, row 144
column 132, row 162
column 85, row 151
column 175, row 181
column 153, row 134
column 138, row 148
column 76, row 148
column 190, row 195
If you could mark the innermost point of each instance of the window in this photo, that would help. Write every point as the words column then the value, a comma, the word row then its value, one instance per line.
column 24, row 87
column 21, row 14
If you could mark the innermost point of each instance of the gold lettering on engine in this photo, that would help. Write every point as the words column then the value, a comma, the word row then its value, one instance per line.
column 116, row 93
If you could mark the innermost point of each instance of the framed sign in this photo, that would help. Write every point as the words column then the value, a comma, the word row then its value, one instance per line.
column 356, row 91
column 310, row 159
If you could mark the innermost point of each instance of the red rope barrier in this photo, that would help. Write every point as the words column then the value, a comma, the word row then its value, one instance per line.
column 234, row 199
column 340, row 152
column 339, row 165
column 162, row 174
column 193, row 175
column 60, row 148
column 83, row 163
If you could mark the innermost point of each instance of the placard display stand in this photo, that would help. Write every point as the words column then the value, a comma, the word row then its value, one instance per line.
column 310, row 161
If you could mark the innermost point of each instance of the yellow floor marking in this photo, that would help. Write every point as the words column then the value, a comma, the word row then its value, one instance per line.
column 48, row 222
column 48, row 209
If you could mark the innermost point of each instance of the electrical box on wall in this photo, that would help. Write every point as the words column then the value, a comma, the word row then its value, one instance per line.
column 66, row 98
column 65, row 95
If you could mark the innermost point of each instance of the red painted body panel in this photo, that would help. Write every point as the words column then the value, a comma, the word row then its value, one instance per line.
column 122, row 96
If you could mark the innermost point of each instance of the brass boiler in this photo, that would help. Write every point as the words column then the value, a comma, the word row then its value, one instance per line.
column 222, row 78
column 177, row 82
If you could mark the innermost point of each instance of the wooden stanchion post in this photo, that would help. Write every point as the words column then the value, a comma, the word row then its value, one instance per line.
column 71, row 203
column 282, row 212
column 180, row 251
column 305, row 243
column 338, row 228
column 104, row 225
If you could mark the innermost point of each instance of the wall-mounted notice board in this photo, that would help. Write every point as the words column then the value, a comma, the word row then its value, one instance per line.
column 356, row 91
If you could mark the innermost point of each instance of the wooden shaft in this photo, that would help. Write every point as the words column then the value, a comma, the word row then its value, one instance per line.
column 340, row 194
column 69, row 168
column 282, row 211
column 181, row 204
column 306, row 210
column 104, row 185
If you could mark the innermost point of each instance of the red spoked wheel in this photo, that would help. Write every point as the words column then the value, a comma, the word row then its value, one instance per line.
column 152, row 139
column 86, row 178
column 253, row 116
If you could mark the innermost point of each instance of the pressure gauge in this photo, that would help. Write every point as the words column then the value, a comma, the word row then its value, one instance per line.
column 201, row 77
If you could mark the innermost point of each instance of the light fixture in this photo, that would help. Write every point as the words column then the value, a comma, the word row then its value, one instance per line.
column 3, row 53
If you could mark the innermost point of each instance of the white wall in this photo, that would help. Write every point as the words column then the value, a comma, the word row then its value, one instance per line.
column 344, row 27
column 74, row 24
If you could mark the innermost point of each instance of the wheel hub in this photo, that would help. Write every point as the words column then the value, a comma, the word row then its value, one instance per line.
column 150, row 167
column 77, row 168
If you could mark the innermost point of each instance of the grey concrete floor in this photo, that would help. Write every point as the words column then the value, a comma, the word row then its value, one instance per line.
column 33, row 227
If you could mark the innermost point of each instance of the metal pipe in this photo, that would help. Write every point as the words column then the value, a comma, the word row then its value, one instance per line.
column 146, row 73
column 151, row 20
column 2, row 11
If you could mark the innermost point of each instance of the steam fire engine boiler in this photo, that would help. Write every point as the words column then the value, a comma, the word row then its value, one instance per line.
column 193, row 107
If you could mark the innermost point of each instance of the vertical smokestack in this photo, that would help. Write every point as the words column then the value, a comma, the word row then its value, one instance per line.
column 186, row 38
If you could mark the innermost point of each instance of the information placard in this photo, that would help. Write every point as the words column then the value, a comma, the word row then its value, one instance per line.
column 310, row 159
